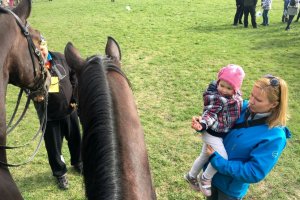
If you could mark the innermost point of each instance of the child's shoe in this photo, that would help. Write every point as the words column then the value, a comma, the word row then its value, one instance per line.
column 205, row 186
column 192, row 181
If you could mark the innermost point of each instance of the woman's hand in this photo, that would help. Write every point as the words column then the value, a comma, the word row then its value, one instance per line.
column 209, row 150
column 38, row 98
column 73, row 106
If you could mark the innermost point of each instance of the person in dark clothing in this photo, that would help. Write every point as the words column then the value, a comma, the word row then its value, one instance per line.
column 239, row 12
column 284, row 14
column 292, row 11
column 298, row 16
column 62, row 118
column 249, row 7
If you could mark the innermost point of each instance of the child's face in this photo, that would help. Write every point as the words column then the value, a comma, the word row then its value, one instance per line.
column 225, row 89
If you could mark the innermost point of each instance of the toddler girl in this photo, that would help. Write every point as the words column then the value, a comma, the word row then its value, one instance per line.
column 222, row 107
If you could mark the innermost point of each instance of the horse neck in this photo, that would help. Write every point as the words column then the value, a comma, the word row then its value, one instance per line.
column 7, row 32
column 137, row 181
column 99, row 154
column 14, row 53
column 8, row 188
column 6, row 42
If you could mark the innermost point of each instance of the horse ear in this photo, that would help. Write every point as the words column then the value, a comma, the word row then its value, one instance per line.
column 73, row 57
column 23, row 9
column 112, row 49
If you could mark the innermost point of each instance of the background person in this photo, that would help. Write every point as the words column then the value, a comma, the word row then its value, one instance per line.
column 239, row 12
column 62, row 118
column 266, row 6
column 284, row 14
column 292, row 10
column 249, row 7
column 255, row 143
column 222, row 107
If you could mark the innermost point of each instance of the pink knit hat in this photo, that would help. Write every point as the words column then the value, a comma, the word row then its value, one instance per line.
column 233, row 74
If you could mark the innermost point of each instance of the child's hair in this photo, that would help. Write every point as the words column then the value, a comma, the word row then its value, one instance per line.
column 276, row 90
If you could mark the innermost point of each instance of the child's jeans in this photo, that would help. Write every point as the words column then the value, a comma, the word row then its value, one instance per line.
column 265, row 17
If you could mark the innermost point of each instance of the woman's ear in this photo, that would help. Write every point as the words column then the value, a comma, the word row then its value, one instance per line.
column 275, row 104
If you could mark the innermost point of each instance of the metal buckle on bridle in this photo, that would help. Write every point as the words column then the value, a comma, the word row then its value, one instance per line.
column 26, row 33
column 37, row 52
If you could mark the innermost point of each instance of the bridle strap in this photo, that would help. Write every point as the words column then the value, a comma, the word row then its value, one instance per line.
column 19, row 21
column 15, row 110
column 112, row 67
column 35, row 135
column 11, row 128
column 109, row 65
column 32, row 48
column 41, row 130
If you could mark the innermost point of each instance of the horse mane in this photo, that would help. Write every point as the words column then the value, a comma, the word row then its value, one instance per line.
column 99, row 145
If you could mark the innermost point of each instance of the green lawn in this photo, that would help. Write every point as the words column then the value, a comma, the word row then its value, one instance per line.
column 171, row 50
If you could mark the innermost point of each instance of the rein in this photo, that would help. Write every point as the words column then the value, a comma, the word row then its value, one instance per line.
column 14, row 113
column 112, row 67
column 40, row 88
column 41, row 129
column 32, row 48
column 12, row 127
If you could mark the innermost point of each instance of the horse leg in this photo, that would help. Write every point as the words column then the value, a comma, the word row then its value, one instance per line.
column 8, row 188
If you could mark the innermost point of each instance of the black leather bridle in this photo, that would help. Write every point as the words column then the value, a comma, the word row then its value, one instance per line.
column 38, row 88
column 34, row 51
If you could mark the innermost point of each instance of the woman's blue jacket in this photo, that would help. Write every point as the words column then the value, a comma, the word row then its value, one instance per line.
column 252, row 153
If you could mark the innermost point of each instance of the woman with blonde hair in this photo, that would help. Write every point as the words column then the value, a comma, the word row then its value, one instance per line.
column 255, row 143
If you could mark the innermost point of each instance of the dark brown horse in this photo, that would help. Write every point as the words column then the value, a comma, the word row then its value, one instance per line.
column 22, row 66
column 115, row 161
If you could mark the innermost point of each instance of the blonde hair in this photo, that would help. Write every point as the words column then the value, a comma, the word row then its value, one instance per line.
column 276, row 92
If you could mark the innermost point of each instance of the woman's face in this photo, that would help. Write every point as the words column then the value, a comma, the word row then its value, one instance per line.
column 259, row 102
column 44, row 51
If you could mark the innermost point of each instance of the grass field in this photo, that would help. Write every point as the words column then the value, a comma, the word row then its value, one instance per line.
column 171, row 51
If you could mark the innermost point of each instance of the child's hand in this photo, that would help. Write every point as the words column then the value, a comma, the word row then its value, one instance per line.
column 196, row 123
column 197, row 126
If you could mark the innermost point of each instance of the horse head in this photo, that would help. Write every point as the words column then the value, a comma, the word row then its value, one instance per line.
column 21, row 63
column 74, row 58
column 112, row 50
column 115, row 160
